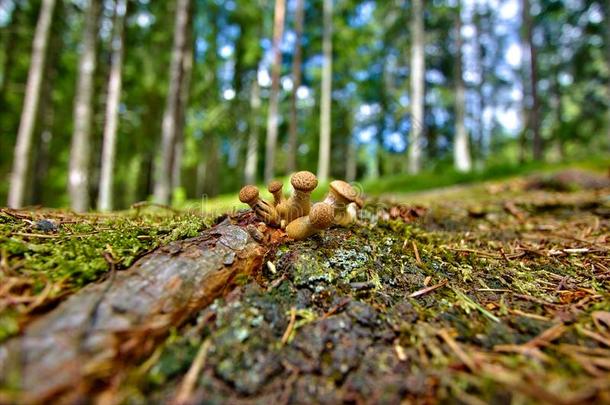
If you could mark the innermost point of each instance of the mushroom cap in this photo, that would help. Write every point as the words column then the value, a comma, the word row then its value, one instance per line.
column 321, row 215
column 304, row 181
column 248, row 194
column 274, row 186
column 345, row 190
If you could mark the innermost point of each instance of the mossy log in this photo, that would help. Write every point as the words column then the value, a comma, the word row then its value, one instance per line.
column 86, row 338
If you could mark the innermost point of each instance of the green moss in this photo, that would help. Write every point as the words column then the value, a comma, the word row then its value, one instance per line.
column 76, row 251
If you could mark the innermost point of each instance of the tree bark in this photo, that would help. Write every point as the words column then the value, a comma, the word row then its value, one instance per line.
column 46, row 117
column 212, row 165
column 105, row 201
column 291, row 164
column 558, row 124
column 187, row 71
column 351, row 166
column 534, row 103
column 325, row 100
column 78, row 182
column 273, row 117
column 251, row 166
column 163, row 171
column 461, row 147
column 417, row 86
column 81, row 343
column 132, row 182
column 10, row 38
column 481, row 152
column 607, row 9
column 23, row 147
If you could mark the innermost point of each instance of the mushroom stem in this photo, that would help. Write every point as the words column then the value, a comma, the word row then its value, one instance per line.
column 299, row 204
column 275, row 188
column 319, row 218
column 340, row 196
column 263, row 210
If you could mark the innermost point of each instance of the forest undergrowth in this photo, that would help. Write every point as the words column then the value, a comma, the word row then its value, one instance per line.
column 495, row 292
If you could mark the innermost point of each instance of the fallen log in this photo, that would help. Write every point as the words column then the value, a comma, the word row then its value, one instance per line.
column 82, row 343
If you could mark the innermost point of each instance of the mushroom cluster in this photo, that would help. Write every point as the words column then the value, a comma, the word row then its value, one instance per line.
column 296, row 214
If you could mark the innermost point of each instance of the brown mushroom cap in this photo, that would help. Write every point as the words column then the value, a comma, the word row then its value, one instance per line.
column 304, row 181
column 321, row 215
column 345, row 190
column 274, row 186
column 248, row 194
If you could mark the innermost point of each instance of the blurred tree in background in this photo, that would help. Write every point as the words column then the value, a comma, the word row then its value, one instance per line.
column 107, row 102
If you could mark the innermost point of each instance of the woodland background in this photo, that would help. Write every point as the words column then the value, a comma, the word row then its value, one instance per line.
column 107, row 102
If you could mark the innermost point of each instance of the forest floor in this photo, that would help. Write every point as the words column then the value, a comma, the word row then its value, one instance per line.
column 491, row 293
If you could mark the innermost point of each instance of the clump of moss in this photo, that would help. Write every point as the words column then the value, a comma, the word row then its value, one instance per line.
column 42, row 264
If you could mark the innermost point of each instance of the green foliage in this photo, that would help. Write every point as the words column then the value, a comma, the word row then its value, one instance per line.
column 372, row 44
column 446, row 175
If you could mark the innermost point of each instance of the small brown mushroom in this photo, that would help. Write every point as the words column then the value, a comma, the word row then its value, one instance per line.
column 299, row 204
column 320, row 217
column 340, row 196
column 275, row 188
column 263, row 210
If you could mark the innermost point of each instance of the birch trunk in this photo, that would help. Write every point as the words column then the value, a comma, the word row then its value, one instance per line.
column 461, row 147
column 78, row 182
column 41, row 153
column 23, row 147
column 325, row 102
column 252, row 148
column 417, row 86
column 273, row 117
column 296, row 83
column 105, row 202
column 163, row 170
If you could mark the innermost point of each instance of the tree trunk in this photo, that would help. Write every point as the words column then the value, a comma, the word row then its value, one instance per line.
column 273, row 117
column 78, row 182
column 10, row 49
column 132, row 181
column 177, row 161
column 104, row 202
column 251, row 166
column 351, row 165
column 163, row 170
column 46, row 117
column 558, row 124
column 480, row 152
column 461, row 148
column 607, row 8
column 325, row 100
column 23, row 147
column 534, row 104
column 84, row 341
column 187, row 70
column 291, row 165
column 417, row 86
column 200, row 181
column 212, row 165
